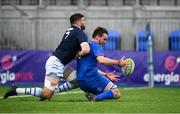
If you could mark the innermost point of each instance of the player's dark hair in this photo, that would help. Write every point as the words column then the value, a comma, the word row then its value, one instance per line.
column 75, row 17
column 99, row 31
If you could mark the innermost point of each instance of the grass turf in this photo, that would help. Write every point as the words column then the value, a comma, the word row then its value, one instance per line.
column 143, row 100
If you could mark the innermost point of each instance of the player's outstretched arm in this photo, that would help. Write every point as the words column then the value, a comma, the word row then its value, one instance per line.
column 108, row 61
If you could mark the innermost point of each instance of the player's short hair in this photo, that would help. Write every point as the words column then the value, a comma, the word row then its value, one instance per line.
column 99, row 31
column 75, row 17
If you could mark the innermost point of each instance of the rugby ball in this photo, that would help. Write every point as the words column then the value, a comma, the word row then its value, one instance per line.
column 128, row 70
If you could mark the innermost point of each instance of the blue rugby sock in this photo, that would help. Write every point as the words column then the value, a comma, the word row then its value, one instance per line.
column 106, row 95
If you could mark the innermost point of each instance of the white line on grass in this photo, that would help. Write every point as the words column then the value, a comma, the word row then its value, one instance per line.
column 136, row 88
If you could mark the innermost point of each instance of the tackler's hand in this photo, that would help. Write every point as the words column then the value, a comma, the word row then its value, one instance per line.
column 77, row 56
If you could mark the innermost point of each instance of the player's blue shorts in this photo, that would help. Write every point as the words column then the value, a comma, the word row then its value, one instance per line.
column 94, row 84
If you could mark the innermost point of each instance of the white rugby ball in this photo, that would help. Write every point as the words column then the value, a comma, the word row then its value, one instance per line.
column 128, row 70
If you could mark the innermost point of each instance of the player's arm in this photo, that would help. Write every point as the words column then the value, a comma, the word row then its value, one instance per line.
column 108, row 61
column 85, row 49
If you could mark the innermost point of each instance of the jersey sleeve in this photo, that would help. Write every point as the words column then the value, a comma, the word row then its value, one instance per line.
column 97, row 50
column 82, row 37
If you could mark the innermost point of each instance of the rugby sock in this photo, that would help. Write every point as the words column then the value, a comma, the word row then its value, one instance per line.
column 64, row 87
column 106, row 95
column 30, row 91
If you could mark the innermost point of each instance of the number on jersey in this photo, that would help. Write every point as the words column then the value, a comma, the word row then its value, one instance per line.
column 68, row 32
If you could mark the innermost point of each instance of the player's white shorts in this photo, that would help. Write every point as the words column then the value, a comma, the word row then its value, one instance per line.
column 54, row 67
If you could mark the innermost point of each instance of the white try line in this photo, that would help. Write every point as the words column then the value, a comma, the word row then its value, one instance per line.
column 136, row 88
column 77, row 92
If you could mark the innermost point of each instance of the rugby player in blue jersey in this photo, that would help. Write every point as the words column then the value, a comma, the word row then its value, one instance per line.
column 96, row 86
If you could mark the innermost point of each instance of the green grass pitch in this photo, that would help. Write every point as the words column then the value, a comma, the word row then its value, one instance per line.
column 133, row 100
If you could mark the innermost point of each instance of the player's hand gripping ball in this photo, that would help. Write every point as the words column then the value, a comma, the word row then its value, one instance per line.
column 128, row 69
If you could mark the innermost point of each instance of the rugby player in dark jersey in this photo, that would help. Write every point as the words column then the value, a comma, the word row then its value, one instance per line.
column 74, row 43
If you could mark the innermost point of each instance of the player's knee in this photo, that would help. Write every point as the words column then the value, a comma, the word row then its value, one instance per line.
column 49, row 87
column 47, row 93
column 116, row 93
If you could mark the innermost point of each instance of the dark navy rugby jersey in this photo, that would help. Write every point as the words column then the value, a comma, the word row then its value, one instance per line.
column 70, row 44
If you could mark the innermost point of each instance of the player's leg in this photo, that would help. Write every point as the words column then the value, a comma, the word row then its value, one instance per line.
column 50, row 84
column 70, row 76
column 37, row 91
column 110, row 92
column 14, row 90
column 54, row 72
column 116, row 92
column 103, row 89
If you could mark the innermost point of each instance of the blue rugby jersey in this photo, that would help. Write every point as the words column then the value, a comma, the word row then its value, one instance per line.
column 87, row 65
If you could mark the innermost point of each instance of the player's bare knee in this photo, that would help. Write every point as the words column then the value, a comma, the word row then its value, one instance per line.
column 116, row 93
column 47, row 93
column 49, row 86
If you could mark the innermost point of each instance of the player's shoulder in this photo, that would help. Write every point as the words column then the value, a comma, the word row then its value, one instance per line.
column 94, row 44
column 78, row 32
column 76, row 29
